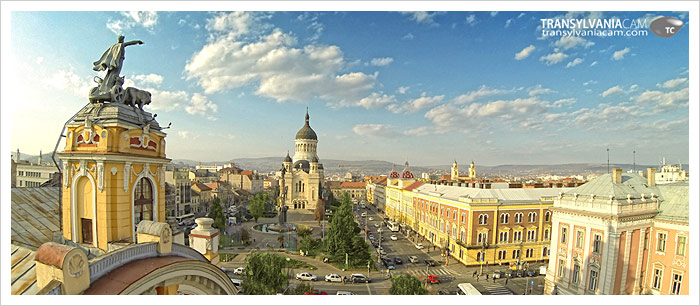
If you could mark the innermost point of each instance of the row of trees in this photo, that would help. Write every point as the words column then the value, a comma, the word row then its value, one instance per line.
column 256, row 205
column 342, row 240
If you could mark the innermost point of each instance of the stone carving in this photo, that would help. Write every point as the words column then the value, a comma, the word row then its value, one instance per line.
column 137, row 97
column 76, row 265
column 166, row 235
column 109, row 88
column 283, row 215
column 100, row 175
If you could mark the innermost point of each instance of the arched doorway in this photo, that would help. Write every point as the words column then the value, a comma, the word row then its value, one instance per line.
column 143, row 201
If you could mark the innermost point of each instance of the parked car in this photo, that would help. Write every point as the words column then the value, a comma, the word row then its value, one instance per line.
column 389, row 266
column 334, row 278
column 443, row 292
column 371, row 219
column 433, row 279
column 380, row 251
column 531, row 273
column 393, row 237
column 306, row 276
column 375, row 244
column 398, row 261
column 413, row 259
column 239, row 271
column 364, row 214
column 377, row 225
column 388, row 261
column 237, row 282
column 419, row 246
column 499, row 274
column 430, row 262
column 510, row 273
column 344, row 293
column 359, row 278
column 520, row 273
column 315, row 292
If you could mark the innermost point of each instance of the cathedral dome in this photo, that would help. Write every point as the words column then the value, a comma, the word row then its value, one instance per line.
column 306, row 132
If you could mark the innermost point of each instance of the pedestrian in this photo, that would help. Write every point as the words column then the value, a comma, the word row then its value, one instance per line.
column 474, row 274
column 477, row 277
column 494, row 279
column 487, row 276
column 506, row 281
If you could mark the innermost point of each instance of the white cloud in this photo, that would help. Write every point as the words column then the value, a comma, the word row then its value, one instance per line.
column 281, row 71
column 590, row 82
column 471, row 20
column 186, row 135
column 419, row 131
column 422, row 17
column 674, row 83
column 618, row 55
column 146, row 20
column 568, row 42
column 152, row 78
column 403, row 89
column 472, row 96
column 201, row 105
column 553, row 58
column 594, row 63
column 449, row 116
column 494, row 13
column 68, row 80
column 525, row 52
column 415, row 104
column 167, row 100
column 381, row 61
column 564, row 102
column 539, row 90
column 376, row 100
column 408, row 36
column 602, row 114
column 663, row 100
column 376, row 130
column 613, row 90
column 508, row 22
column 521, row 15
column 39, row 60
column 575, row 62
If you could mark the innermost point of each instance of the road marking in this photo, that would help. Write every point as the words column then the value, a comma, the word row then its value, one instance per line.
column 369, row 291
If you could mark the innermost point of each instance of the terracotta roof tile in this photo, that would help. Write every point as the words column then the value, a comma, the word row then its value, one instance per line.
column 352, row 185
column 414, row 185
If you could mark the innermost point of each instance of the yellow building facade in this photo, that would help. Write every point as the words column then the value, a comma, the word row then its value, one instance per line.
column 113, row 174
column 480, row 226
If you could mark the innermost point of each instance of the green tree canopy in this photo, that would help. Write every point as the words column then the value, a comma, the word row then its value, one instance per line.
column 342, row 235
column 265, row 274
column 217, row 213
column 256, row 205
column 406, row 285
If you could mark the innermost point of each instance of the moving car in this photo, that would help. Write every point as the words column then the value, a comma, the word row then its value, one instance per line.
column 359, row 278
column 239, row 271
column 499, row 274
column 306, row 276
column 433, row 279
column 413, row 259
column 393, row 237
column 316, row 292
column 398, row 261
column 430, row 262
column 334, row 278
column 419, row 246
column 531, row 273
column 344, row 293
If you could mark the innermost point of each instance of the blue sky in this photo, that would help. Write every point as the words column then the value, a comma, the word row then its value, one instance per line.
column 430, row 87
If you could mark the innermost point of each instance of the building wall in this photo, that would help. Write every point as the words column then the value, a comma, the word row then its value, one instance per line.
column 673, row 260
column 32, row 175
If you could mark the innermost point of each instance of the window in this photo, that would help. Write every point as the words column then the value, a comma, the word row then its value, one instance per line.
column 516, row 254
column 482, row 237
column 448, row 213
column 529, row 253
column 531, row 235
column 646, row 240
column 143, row 201
column 562, row 266
column 656, row 283
column 483, row 219
column 563, row 234
column 462, row 236
column 547, row 216
column 676, row 284
column 504, row 218
column 464, row 217
column 518, row 236
column 661, row 246
column 532, row 216
column 544, row 252
column 680, row 246
column 503, row 237
column 519, row 218
column 480, row 256
column 546, row 234
column 502, row 254
column 596, row 243
column 575, row 273
column 579, row 239
column 593, row 281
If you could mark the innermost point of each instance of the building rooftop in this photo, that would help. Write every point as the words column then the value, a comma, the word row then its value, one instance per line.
column 674, row 206
column 352, row 185
column 414, row 185
column 503, row 195
column 603, row 186
column 34, row 216
column 23, row 271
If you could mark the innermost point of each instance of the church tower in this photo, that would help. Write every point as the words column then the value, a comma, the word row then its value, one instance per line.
column 455, row 171
column 113, row 174
column 305, row 142
column 472, row 171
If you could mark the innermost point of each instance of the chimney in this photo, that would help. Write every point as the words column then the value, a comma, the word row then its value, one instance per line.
column 617, row 175
column 39, row 162
column 651, row 176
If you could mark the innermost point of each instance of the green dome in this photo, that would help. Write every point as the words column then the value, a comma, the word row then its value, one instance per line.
column 306, row 132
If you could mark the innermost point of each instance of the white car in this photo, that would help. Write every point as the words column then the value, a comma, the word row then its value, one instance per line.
column 364, row 214
column 306, row 276
column 344, row 293
column 413, row 259
column 419, row 246
column 239, row 271
column 377, row 225
column 371, row 219
column 334, row 278
column 393, row 237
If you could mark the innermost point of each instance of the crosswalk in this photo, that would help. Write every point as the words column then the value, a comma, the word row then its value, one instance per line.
column 432, row 271
column 496, row 288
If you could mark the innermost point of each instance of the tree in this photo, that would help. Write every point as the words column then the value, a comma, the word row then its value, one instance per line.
column 342, row 231
column 245, row 236
column 280, row 238
column 265, row 274
column 303, row 230
column 217, row 213
column 406, row 285
column 256, row 205
column 318, row 213
column 300, row 289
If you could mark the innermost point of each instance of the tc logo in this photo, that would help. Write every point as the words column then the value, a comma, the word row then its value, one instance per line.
column 666, row 26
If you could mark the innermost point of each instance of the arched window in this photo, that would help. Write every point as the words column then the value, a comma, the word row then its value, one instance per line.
column 143, row 201
column 519, row 218
column 504, row 218
column 547, row 216
column 532, row 216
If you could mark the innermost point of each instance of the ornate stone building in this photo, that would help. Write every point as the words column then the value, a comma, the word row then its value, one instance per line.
column 302, row 176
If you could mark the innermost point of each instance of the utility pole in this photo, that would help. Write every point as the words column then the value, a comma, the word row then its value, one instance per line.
column 634, row 161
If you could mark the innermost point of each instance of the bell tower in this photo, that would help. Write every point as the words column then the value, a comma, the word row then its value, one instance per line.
column 455, row 171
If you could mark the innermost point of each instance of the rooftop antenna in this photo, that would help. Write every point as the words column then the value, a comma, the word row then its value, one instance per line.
column 608, row 150
column 634, row 161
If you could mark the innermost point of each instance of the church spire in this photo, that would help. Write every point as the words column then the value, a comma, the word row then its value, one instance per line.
column 307, row 116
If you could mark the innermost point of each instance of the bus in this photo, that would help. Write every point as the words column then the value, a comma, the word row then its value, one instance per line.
column 467, row 289
column 393, row 226
column 187, row 219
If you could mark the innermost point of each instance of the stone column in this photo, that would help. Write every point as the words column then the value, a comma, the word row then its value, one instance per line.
column 205, row 239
